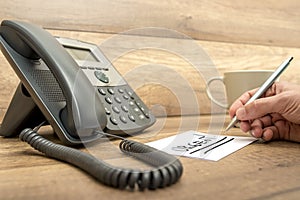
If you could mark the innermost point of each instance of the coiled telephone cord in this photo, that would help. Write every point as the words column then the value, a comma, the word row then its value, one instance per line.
column 167, row 169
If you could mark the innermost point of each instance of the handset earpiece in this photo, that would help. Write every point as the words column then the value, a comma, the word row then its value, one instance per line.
column 16, row 42
column 83, row 112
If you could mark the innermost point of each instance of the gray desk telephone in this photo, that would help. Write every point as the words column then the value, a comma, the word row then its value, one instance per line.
column 73, row 87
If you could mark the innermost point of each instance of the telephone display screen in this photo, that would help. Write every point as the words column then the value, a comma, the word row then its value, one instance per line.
column 81, row 54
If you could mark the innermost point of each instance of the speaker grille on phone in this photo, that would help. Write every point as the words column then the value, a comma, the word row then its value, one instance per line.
column 48, row 85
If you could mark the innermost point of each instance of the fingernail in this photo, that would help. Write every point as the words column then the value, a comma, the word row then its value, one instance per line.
column 261, row 140
column 252, row 133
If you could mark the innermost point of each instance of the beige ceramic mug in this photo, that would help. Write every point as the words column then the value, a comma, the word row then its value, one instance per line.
column 238, row 82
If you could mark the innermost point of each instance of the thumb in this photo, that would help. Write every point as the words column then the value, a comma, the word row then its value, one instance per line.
column 257, row 108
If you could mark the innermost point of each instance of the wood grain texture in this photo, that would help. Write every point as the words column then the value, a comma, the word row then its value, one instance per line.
column 270, row 22
column 170, row 83
column 258, row 171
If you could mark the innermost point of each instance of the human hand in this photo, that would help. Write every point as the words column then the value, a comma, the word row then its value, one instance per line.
column 275, row 116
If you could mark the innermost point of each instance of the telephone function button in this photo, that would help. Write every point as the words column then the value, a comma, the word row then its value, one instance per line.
column 129, row 93
column 142, row 116
column 131, row 117
column 126, row 97
column 101, row 76
column 101, row 91
column 116, row 109
column 111, row 91
column 123, row 119
column 107, row 111
column 142, row 108
column 147, row 114
column 94, row 68
column 108, row 100
column 101, row 68
column 113, row 120
column 124, row 108
column 118, row 100
column 136, row 109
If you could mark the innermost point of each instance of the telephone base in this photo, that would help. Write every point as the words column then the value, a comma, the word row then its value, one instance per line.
column 21, row 113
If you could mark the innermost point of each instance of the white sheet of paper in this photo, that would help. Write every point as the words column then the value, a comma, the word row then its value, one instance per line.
column 201, row 145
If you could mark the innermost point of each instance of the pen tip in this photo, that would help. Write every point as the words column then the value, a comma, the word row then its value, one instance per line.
column 226, row 129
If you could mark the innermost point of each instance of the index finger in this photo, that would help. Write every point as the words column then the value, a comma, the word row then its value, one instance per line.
column 241, row 101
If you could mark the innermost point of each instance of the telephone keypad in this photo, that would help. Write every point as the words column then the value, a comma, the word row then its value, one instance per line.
column 123, row 106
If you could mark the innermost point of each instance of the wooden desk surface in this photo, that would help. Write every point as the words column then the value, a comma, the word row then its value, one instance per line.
column 258, row 171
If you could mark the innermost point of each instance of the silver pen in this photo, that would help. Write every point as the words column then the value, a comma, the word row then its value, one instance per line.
column 263, row 88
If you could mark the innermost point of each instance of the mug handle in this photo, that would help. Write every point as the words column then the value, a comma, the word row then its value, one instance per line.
column 210, row 95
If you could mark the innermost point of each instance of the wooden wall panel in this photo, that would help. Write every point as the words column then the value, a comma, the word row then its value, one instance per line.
column 168, row 82
column 270, row 22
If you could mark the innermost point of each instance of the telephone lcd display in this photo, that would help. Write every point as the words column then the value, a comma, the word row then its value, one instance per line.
column 81, row 54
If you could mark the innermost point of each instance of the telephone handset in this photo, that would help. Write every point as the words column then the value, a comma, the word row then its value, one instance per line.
column 72, row 84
